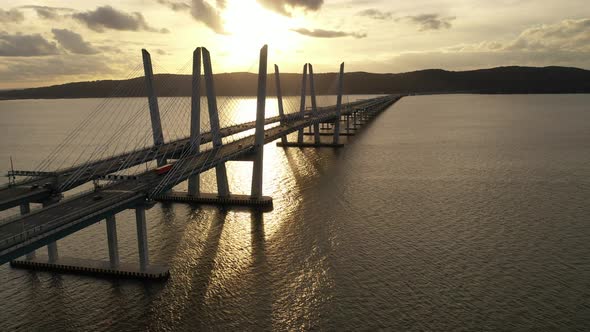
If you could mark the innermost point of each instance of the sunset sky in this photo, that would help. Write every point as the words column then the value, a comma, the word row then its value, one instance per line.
column 58, row 41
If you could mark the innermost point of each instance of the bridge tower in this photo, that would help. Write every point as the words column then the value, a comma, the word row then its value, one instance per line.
column 224, row 196
column 315, row 113
column 195, row 134
column 158, row 134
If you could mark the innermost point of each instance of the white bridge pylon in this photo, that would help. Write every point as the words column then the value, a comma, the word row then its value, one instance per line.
column 202, row 59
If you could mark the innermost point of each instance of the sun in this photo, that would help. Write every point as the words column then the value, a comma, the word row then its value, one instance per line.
column 249, row 26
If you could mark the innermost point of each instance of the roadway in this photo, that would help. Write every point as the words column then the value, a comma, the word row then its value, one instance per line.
column 40, row 227
column 40, row 189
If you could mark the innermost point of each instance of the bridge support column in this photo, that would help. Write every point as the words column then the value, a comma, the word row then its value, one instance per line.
column 142, row 241
column 112, row 241
column 195, row 139
column 279, row 101
column 256, row 192
column 25, row 208
column 51, row 247
column 52, row 252
column 114, row 267
column 302, row 103
column 157, row 132
column 339, row 105
column 220, row 170
column 314, row 106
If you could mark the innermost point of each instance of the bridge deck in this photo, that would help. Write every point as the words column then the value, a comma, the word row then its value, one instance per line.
column 40, row 188
column 45, row 225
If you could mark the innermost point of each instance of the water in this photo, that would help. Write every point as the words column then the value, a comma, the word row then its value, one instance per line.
column 456, row 212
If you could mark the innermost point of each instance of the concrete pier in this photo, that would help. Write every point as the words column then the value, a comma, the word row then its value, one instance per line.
column 142, row 242
column 309, row 145
column 112, row 241
column 263, row 202
column 93, row 268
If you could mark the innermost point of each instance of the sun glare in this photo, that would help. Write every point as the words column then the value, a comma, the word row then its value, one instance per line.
column 250, row 26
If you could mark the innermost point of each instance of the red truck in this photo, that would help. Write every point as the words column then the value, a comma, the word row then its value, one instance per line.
column 163, row 169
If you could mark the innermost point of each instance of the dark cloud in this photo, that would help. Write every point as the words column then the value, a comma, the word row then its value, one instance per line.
column 431, row 21
column 48, row 13
column 25, row 45
column 375, row 14
column 285, row 7
column 319, row 33
column 107, row 17
column 202, row 11
column 73, row 42
column 176, row 6
column 11, row 16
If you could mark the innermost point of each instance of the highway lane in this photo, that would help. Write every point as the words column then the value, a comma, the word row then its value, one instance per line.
column 32, row 230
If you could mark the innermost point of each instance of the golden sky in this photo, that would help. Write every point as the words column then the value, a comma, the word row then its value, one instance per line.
column 58, row 41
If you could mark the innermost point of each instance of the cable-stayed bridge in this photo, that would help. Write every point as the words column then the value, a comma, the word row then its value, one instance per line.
column 146, row 168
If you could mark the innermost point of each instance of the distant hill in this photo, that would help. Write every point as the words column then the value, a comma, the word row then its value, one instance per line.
column 506, row 80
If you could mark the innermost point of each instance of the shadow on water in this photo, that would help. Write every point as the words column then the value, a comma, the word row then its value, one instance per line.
column 261, row 274
column 202, row 272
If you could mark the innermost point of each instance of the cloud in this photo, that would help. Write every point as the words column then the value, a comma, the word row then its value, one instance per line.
column 285, row 7
column 564, row 36
column 26, row 72
column 11, row 16
column 477, row 60
column 25, row 45
column 73, row 42
column 221, row 4
column 202, row 11
column 375, row 14
column 565, row 43
column 107, row 17
column 47, row 13
column 319, row 33
column 430, row 21
column 175, row 6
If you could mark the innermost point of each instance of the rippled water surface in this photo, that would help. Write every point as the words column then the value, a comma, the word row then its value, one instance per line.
column 456, row 212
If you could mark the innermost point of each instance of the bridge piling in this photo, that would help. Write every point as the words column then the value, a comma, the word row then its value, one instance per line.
column 112, row 241
column 52, row 252
column 25, row 208
column 142, row 241
column 52, row 246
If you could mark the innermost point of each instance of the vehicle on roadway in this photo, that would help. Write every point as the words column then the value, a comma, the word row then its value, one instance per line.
column 163, row 169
